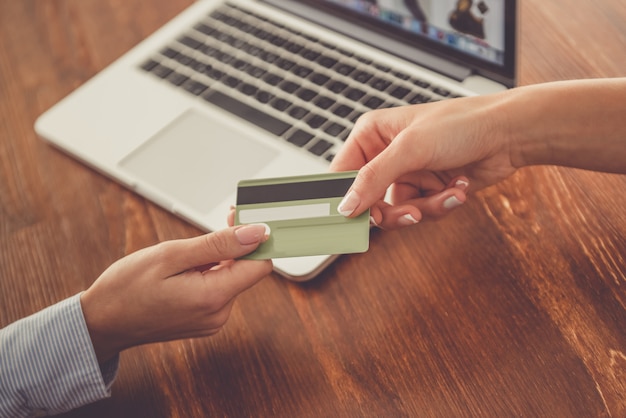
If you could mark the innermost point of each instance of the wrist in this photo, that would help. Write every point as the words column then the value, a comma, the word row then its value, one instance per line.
column 105, row 344
column 564, row 123
column 524, row 128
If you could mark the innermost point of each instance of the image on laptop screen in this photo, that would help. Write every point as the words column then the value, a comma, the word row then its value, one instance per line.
column 474, row 28
column 476, row 33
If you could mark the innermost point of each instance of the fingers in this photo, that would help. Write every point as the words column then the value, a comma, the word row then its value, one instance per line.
column 234, row 278
column 230, row 219
column 231, row 243
column 413, row 208
column 369, row 186
column 375, row 177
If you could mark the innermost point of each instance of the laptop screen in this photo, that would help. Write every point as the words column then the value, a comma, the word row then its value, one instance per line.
column 475, row 28
column 478, row 34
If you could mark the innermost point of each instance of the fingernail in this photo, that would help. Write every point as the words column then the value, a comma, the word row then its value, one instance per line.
column 373, row 221
column 451, row 203
column 251, row 234
column 407, row 220
column 349, row 203
column 461, row 184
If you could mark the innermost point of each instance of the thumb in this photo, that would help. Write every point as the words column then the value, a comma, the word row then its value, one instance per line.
column 227, row 244
column 372, row 181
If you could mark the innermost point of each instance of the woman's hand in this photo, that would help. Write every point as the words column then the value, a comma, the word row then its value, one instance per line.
column 429, row 154
column 175, row 289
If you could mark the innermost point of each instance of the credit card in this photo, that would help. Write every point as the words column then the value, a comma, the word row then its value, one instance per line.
column 301, row 212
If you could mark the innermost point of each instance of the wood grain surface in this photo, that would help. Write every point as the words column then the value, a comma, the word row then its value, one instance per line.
column 514, row 305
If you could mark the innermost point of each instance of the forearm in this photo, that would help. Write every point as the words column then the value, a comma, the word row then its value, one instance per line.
column 579, row 124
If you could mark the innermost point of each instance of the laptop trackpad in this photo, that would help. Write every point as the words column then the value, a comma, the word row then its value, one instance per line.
column 197, row 160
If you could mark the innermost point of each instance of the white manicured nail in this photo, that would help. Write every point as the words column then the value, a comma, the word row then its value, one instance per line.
column 348, row 204
column 451, row 203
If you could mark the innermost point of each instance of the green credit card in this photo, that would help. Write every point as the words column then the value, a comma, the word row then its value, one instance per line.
column 302, row 214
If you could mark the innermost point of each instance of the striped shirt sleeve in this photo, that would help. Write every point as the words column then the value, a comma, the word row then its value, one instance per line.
column 48, row 364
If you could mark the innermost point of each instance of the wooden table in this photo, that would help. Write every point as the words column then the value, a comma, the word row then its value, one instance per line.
column 512, row 306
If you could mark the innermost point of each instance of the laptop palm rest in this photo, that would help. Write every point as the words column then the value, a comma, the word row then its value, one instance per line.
column 185, row 160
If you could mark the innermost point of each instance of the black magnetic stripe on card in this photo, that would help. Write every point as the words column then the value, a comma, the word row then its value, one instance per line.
column 319, row 189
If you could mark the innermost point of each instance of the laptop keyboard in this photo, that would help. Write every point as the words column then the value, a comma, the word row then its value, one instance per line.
column 300, row 88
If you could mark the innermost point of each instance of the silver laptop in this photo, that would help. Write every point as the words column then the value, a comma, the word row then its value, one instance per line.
column 240, row 89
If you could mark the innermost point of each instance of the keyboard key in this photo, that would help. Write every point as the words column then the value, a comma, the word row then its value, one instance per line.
column 293, row 47
column 324, row 102
column 281, row 104
column 231, row 81
column 190, row 42
column 421, row 83
column 300, row 138
column 263, row 96
column 184, row 59
column 253, row 50
column 306, row 94
column 201, row 27
column 272, row 79
column 355, row 116
column 169, row 52
column 315, row 121
column 326, row 61
column 199, row 66
column 361, row 76
column 343, row 69
column 354, row 94
column 374, row 102
column 255, row 71
column 195, row 87
column 177, row 79
column 301, row 71
column 298, row 112
column 320, row 147
column 419, row 98
column 343, row 110
column 209, row 51
column 289, row 86
column 149, row 65
column 401, row 75
column 284, row 63
column 277, row 40
column 268, row 57
column 441, row 91
column 334, row 129
column 248, row 113
column 223, row 57
column 215, row 74
column 400, row 92
column 364, row 60
column 309, row 54
column 239, row 64
column 382, row 67
column 380, row 84
column 247, row 89
column 345, row 52
column 162, row 71
column 319, row 79
column 337, row 86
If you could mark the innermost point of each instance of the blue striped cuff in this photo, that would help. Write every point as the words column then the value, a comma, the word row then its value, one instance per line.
column 48, row 364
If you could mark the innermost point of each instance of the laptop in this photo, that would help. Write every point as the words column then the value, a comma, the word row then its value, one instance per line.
column 242, row 89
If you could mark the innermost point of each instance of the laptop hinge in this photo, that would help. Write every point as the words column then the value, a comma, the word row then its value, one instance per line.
column 387, row 44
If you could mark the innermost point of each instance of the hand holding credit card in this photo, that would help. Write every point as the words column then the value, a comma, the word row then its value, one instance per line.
column 302, row 214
